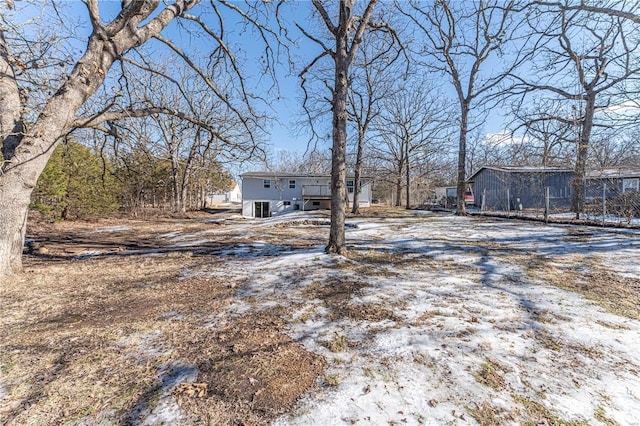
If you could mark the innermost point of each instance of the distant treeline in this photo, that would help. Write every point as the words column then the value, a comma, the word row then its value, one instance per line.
column 79, row 182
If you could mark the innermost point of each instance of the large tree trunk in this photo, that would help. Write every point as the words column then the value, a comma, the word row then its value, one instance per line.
column 27, row 154
column 184, row 192
column 13, row 217
column 23, row 167
column 462, row 160
column 338, row 157
column 14, row 195
column 577, row 198
column 398, row 188
column 175, row 188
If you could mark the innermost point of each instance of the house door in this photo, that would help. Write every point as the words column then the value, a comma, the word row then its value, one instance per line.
column 262, row 209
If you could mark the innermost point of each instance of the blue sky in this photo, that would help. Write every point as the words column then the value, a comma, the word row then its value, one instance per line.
column 286, row 107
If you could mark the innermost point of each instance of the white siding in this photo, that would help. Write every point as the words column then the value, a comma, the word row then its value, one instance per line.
column 279, row 192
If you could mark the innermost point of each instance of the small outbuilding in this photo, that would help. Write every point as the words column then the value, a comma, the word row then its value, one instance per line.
column 232, row 194
column 518, row 188
column 612, row 181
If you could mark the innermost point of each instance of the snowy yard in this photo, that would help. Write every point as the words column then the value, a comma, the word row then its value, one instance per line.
column 431, row 319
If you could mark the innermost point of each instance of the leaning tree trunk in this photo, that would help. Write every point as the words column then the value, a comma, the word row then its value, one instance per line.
column 23, row 166
column 26, row 155
column 462, row 160
column 577, row 198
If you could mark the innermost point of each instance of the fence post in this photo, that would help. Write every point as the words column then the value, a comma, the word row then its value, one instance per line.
column 546, row 204
column 604, row 202
column 508, row 201
column 483, row 205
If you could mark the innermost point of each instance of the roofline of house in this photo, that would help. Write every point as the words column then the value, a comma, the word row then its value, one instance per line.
column 283, row 175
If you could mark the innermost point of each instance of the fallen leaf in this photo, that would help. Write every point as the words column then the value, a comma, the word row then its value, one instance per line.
column 198, row 390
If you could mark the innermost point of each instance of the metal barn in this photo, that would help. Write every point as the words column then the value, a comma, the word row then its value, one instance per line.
column 612, row 181
column 518, row 188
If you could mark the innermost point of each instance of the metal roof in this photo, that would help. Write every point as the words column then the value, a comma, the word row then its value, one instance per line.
column 614, row 172
column 522, row 169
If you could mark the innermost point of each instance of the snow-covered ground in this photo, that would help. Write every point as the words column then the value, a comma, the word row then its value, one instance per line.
column 473, row 329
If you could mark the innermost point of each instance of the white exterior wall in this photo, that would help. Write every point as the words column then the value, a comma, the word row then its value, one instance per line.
column 253, row 190
column 234, row 196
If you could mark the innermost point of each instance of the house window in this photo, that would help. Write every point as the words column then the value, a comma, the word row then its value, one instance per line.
column 292, row 184
column 350, row 186
column 267, row 183
column 630, row 184
column 316, row 203
column 286, row 203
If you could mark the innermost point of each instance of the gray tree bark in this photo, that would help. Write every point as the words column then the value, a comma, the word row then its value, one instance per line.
column 26, row 155
column 347, row 43
column 577, row 196
column 407, row 173
column 340, row 116
column 462, row 159
column 357, row 173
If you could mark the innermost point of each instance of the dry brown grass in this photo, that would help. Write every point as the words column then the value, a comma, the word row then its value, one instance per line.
column 375, row 256
column 104, row 339
column 337, row 294
column 490, row 374
column 372, row 312
column 536, row 413
column 485, row 414
column 616, row 293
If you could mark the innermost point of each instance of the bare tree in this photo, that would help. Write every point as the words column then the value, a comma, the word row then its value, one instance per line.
column 588, row 60
column 346, row 33
column 412, row 127
column 313, row 162
column 615, row 149
column 372, row 80
column 53, row 106
column 547, row 141
column 461, row 37
column 629, row 10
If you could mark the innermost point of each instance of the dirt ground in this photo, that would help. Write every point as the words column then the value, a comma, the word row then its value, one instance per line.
column 104, row 326
column 103, row 335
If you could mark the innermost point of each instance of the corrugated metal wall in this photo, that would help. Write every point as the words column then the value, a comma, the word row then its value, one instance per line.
column 506, row 190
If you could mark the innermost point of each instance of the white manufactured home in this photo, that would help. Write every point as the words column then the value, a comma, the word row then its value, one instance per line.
column 265, row 193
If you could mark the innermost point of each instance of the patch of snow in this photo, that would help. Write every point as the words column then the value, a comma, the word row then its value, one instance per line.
column 144, row 345
column 462, row 297
column 166, row 410
column 173, row 316
column 170, row 235
column 463, row 303
column 109, row 229
column 88, row 254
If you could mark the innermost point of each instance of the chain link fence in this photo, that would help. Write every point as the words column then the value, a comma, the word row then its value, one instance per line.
column 611, row 198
